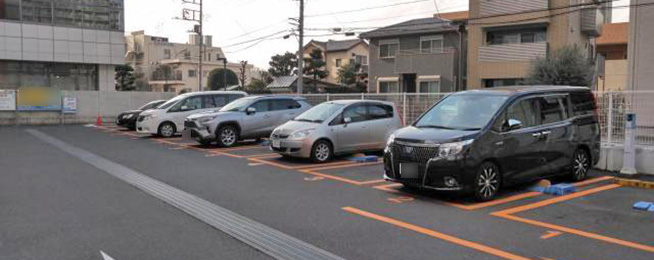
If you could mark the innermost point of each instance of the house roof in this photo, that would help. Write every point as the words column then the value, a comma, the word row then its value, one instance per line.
column 614, row 33
column 416, row 26
column 320, row 44
column 282, row 82
column 454, row 16
column 332, row 45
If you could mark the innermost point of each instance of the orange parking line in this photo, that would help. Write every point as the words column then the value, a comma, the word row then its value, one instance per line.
column 341, row 179
column 372, row 182
column 268, row 162
column 388, row 187
column 594, row 180
column 435, row 234
column 495, row 202
column 551, row 234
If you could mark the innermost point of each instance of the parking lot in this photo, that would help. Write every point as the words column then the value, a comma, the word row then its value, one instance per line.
column 74, row 191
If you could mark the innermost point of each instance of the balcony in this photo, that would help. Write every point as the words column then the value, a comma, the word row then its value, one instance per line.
column 415, row 61
column 488, row 7
column 513, row 52
column 591, row 21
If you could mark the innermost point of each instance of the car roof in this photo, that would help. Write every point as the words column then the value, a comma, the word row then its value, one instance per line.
column 354, row 101
column 214, row 92
column 274, row 97
column 523, row 90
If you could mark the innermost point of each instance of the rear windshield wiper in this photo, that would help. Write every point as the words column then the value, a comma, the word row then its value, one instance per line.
column 435, row 126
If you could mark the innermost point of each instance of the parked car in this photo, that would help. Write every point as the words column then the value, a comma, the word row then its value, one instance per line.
column 481, row 141
column 168, row 119
column 337, row 127
column 128, row 119
column 246, row 118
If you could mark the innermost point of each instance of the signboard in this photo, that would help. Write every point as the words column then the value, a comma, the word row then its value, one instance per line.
column 39, row 99
column 69, row 104
column 7, row 100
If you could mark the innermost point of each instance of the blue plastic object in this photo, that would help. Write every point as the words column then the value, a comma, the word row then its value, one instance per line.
column 265, row 143
column 538, row 189
column 561, row 189
column 644, row 205
column 364, row 159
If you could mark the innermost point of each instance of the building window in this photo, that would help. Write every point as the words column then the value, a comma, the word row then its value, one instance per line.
column 167, row 54
column 10, row 9
column 192, row 73
column 38, row 11
column 493, row 83
column 431, row 86
column 361, row 59
column 339, row 63
column 516, row 36
column 431, row 44
column 65, row 76
column 389, row 87
column 388, row 49
column 187, row 55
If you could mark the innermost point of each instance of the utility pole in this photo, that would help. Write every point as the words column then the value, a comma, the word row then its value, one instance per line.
column 300, row 55
column 196, row 16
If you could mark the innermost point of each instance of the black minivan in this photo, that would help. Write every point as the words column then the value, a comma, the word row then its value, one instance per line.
column 479, row 141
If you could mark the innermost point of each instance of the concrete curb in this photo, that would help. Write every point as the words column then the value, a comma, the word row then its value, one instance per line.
column 635, row 183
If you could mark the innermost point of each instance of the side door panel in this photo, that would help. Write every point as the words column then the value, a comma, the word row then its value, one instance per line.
column 257, row 124
column 381, row 124
column 558, row 132
column 194, row 105
column 353, row 135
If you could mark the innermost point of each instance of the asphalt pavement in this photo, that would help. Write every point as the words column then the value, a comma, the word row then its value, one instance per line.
column 58, row 206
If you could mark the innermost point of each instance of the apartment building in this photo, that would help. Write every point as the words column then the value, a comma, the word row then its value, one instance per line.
column 66, row 44
column 506, row 36
column 417, row 56
column 338, row 54
column 164, row 66
column 612, row 57
column 641, row 53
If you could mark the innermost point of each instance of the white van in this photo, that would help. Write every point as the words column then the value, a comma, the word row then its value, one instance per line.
column 168, row 119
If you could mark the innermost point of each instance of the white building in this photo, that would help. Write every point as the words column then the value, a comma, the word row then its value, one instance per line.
column 163, row 66
column 68, row 44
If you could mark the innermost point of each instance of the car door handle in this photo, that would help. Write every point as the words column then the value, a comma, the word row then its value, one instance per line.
column 537, row 135
column 546, row 132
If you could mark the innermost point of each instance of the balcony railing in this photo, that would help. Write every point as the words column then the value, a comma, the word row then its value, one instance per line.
column 163, row 77
column 513, row 52
column 413, row 61
column 511, row 6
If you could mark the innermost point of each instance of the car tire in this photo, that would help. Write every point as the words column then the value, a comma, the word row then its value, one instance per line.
column 487, row 182
column 204, row 142
column 580, row 165
column 166, row 129
column 321, row 151
column 227, row 136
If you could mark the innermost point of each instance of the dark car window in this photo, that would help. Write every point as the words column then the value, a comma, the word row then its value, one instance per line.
column 357, row 113
column 583, row 103
column 233, row 97
column 524, row 111
column 552, row 109
column 191, row 103
column 220, row 100
column 209, row 102
column 378, row 111
column 284, row 104
column 262, row 106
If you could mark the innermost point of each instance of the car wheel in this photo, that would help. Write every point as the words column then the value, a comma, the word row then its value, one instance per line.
column 203, row 142
column 321, row 151
column 167, row 129
column 227, row 136
column 580, row 165
column 487, row 182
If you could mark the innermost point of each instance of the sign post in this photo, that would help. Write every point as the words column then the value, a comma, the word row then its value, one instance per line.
column 629, row 161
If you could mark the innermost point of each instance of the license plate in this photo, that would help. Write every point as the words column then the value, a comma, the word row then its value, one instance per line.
column 409, row 170
column 276, row 144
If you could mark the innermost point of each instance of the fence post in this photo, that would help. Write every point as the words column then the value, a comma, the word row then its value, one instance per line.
column 404, row 107
column 609, row 120
column 327, row 96
column 363, row 97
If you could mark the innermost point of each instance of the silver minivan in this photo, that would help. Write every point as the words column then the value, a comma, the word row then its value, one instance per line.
column 337, row 127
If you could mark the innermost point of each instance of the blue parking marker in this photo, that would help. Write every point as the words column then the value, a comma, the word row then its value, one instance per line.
column 560, row 189
column 364, row 159
column 643, row 205
column 265, row 143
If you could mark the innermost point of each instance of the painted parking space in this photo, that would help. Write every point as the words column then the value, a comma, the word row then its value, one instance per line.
column 358, row 174
column 297, row 163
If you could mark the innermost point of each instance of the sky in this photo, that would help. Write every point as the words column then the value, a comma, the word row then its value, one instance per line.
column 253, row 30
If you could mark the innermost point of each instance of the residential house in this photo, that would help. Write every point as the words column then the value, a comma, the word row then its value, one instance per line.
column 164, row 66
column 612, row 52
column 506, row 36
column 288, row 85
column 417, row 56
column 338, row 54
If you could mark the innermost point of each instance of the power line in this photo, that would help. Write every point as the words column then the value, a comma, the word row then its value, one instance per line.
column 256, row 39
column 366, row 9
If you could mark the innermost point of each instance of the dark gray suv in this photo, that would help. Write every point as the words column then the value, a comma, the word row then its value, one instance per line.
column 482, row 140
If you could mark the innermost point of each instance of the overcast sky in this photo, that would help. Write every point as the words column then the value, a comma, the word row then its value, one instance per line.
column 232, row 22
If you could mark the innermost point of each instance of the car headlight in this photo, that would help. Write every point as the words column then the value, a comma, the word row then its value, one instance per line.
column 449, row 149
column 128, row 116
column 208, row 119
column 151, row 116
column 302, row 134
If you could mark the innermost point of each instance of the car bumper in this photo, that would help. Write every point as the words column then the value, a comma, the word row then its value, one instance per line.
column 433, row 174
column 293, row 148
column 128, row 123
column 147, row 127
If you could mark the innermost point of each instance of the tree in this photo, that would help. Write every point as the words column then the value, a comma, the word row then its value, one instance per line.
column 242, row 74
column 567, row 66
column 216, row 79
column 315, row 66
column 282, row 65
column 256, row 86
column 348, row 74
column 125, row 78
column 265, row 77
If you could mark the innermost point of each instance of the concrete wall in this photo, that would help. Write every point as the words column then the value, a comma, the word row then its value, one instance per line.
column 612, row 157
column 641, row 53
column 90, row 104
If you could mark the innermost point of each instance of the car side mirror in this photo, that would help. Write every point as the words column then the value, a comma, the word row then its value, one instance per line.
column 513, row 124
column 251, row 110
column 347, row 120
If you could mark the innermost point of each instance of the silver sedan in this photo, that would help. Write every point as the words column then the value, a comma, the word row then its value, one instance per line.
column 337, row 127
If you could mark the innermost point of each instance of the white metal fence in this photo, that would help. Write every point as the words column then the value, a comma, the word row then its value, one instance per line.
column 612, row 107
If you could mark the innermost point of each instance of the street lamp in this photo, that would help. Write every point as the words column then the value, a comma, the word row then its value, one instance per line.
column 224, row 72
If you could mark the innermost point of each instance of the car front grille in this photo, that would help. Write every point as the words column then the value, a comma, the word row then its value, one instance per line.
column 278, row 136
column 406, row 152
column 189, row 124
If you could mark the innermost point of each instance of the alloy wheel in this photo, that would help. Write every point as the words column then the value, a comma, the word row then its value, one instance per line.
column 580, row 165
column 322, row 152
column 228, row 136
column 167, row 130
column 488, row 182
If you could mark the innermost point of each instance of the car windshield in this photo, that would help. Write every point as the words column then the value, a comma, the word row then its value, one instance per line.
column 151, row 105
column 171, row 102
column 319, row 113
column 238, row 105
column 462, row 112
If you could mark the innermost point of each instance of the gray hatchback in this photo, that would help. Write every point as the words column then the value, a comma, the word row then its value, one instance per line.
column 337, row 127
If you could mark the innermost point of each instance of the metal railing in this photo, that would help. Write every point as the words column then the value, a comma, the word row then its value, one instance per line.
column 611, row 109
